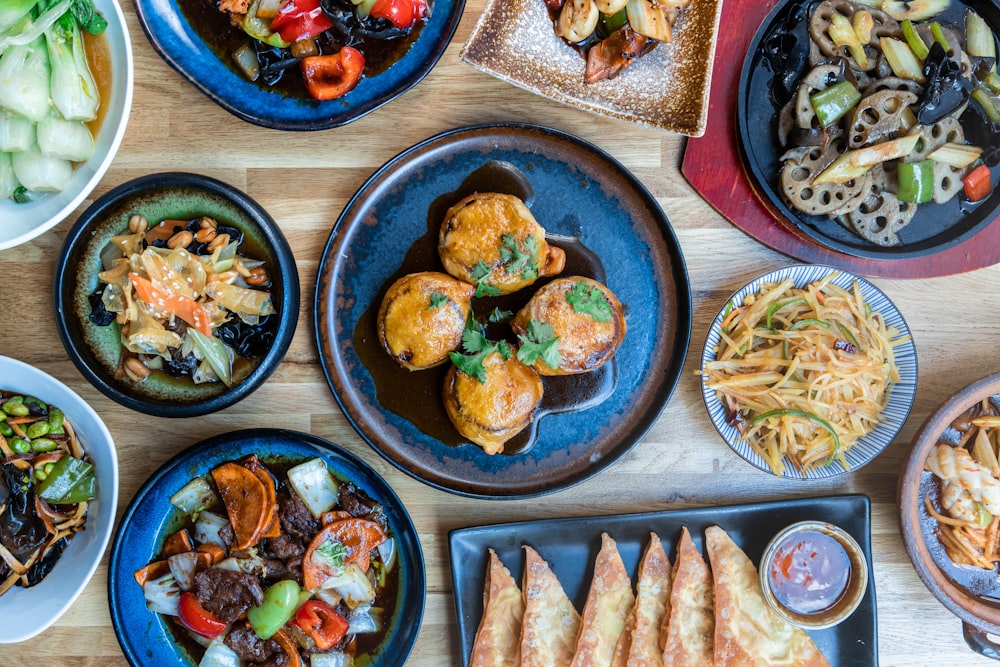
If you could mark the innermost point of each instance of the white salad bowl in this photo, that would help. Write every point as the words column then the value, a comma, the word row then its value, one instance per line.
column 22, row 222
column 26, row 612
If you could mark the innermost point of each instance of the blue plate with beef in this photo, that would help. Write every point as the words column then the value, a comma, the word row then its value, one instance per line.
column 300, row 64
column 266, row 542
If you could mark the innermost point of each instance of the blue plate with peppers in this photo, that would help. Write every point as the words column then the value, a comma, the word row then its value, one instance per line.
column 221, row 574
column 300, row 64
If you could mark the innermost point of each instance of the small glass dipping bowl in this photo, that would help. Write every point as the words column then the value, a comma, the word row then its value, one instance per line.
column 803, row 577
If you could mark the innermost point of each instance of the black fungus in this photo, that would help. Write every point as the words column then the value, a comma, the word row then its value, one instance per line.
column 180, row 366
column 273, row 62
column 786, row 51
column 247, row 340
column 350, row 30
column 946, row 88
column 41, row 569
column 21, row 531
column 99, row 315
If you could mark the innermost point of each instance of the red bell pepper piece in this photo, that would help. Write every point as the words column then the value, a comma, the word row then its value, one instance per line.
column 401, row 13
column 977, row 183
column 195, row 618
column 300, row 19
column 332, row 76
column 321, row 622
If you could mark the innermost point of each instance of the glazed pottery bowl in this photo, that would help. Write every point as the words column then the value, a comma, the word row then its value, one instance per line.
column 97, row 351
column 23, row 222
column 29, row 611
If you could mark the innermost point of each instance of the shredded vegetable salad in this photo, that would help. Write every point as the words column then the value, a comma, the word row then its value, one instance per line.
column 804, row 373
column 187, row 302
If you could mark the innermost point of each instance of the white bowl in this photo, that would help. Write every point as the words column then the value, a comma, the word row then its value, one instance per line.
column 27, row 612
column 23, row 222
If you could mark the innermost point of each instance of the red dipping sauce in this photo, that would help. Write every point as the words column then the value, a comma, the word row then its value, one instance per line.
column 810, row 572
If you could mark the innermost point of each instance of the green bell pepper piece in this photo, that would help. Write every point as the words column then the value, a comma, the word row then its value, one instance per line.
column 70, row 481
column 830, row 104
column 916, row 181
column 280, row 602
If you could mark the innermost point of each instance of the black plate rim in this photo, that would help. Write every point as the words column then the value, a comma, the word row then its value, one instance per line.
column 858, row 502
column 684, row 304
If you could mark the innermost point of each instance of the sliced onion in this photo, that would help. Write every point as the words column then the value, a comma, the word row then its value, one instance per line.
column 246, row 59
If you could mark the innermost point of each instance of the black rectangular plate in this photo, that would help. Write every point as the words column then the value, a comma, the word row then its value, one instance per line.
column 571, row 545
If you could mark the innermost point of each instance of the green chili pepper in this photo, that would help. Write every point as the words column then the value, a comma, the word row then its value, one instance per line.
column 831, row 104
column 915, row 181
column 280, row 603
column 848, row 335
column 778, row 305
column 610, row 23
column 809, row 322
column 70, row 481
column 791, row 412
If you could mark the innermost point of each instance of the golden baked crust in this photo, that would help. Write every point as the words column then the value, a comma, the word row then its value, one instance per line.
column 586, row 341
column 422, row 317
column 691, row 621
column 747, row 632
column 640, row 645
column 551, row 623
column 608, row 605
column 499, row 231
column 500, row 628
column 492, row 412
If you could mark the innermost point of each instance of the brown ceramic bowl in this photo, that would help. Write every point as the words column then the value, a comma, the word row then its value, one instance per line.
column 972, row 594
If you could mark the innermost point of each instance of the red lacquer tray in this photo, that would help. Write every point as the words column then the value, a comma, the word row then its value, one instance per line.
column 713, row 166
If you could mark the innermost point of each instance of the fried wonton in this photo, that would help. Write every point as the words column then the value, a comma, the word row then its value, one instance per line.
column 691, row 621
column 500, row 628
column 608, row 604
column 551, row 622
column 640, row 645
column 747, row 632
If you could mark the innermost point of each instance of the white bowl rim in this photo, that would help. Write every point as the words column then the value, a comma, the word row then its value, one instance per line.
column 105, row 163
column 105, row 537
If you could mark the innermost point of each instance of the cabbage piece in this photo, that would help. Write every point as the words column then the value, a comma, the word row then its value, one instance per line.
column 207, row 527
column 147, row 336
column 219, row 655
column 352, row 585
column 74, row 92
column 41, row 173
column 332, row 659
column 65, row 139
column 313, row 483
column 17, row 133
column 183, row 566
column 8, row 181
column 252, row 565
column 365, row 620
column 194, row 497
column 387, row 552
column 24, row 80
column 162, row 595
column 241, row 300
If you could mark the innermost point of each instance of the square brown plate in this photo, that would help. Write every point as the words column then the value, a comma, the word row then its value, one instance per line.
column 667, row 88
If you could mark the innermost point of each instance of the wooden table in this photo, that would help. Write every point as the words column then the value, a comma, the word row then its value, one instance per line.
column 304, row 180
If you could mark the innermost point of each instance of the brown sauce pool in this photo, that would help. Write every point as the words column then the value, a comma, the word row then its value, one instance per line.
column 99, row 60
column 417, row 395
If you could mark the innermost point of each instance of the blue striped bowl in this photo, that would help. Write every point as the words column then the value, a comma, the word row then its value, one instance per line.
column 900, row 397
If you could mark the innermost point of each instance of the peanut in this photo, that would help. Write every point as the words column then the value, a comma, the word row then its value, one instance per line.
column 180, row 240
column 258, row 276
column 220, row 241
column 137, row 224
column 136, row 370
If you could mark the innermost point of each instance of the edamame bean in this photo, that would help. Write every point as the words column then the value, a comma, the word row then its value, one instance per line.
column 42, row 445
column 15, row 407
column 19, row 445
column 5, row 430
column 56, row 417
column 40, row 474
column 37, row 430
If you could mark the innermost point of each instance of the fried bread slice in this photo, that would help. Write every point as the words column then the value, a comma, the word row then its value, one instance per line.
column 690, row 624
column 551, row 622
column 747, row 632
column 608, row 605
column 639, row 645
column 500, row 628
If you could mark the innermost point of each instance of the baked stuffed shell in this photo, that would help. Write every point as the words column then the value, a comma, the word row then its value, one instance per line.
column 422, row 317
column 494, row 242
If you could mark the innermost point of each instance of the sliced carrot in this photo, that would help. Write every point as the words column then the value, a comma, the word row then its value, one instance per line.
column 246, row 502
column 215, row 553
column 183, row 307
column 334, row 515
column 178, row 543
column 359, row 536
column 154, row 570
column 289, row 647
column 271, row 527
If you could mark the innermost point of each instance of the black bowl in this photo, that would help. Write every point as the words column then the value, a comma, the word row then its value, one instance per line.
column 96, row 350
column 934, row 228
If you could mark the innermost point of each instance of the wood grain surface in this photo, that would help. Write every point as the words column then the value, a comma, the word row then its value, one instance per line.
column 304, row 180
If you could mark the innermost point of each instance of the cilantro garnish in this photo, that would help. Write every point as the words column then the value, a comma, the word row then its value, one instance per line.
column 520, row 258
column 589, row 300
column 331, row 552
column 477, row 347
column 497, row 315
column 540, row 343
column 437, row 300
column 480, row 272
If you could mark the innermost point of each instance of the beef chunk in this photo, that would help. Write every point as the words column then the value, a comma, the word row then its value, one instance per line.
column 255, row 651
column 357, row 502
column 296, row 520
column 227, row 534
column 284, row 547
column 227, row 594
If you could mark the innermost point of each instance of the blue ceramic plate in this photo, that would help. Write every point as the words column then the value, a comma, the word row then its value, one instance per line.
column 612, row 229
column 183, row 47
column 900, row 398
column 145, row 637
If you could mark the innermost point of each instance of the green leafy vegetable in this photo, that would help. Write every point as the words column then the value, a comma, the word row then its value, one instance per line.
column 437, row 300
column 518, row 258
column 498, row 315
column 477, row 347
column 480, row 272
column 540, row 343
column 589, row 300
column 331, row 552
column 85, row 13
